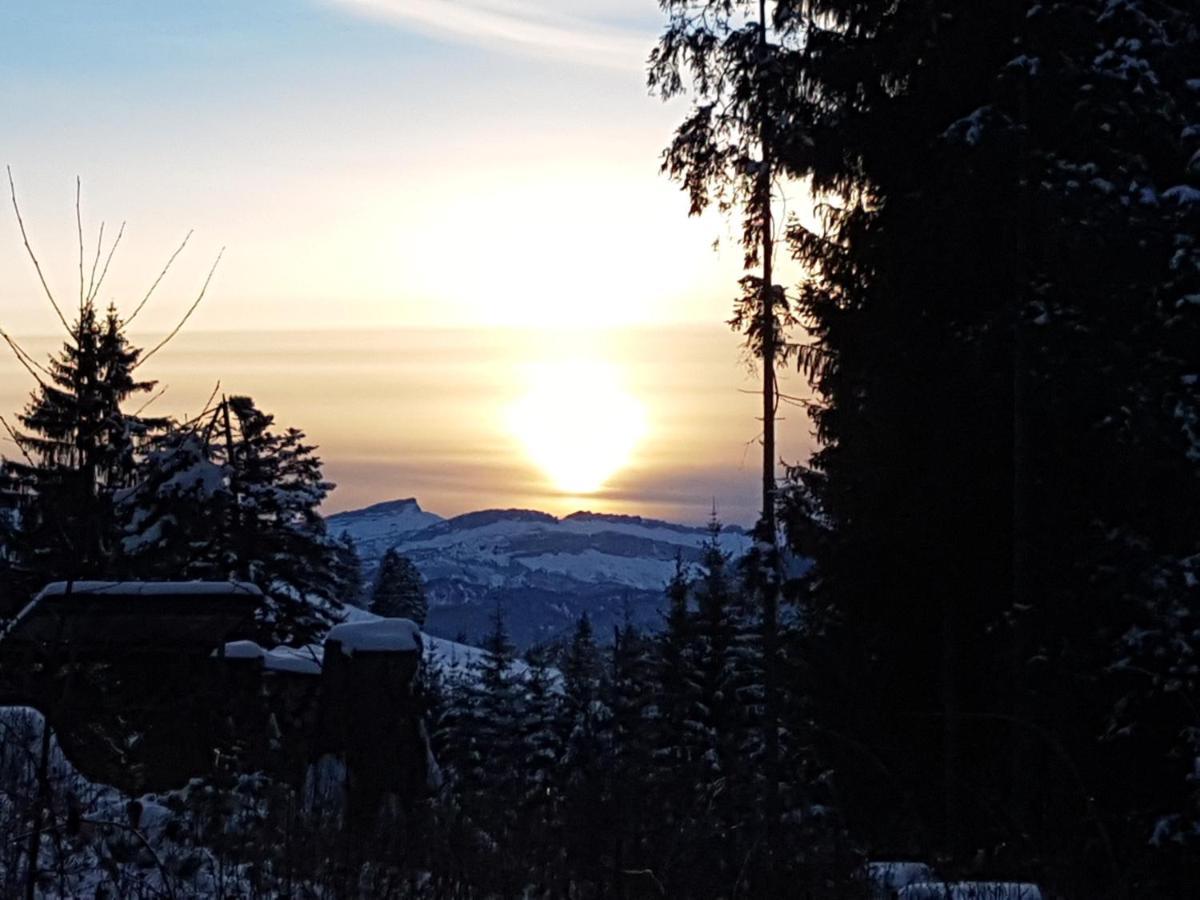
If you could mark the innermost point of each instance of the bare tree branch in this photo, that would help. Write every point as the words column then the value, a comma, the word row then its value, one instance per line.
column 16, row 439
column 95, row 261
column 142, row 408
column 164, row 271
column 187, row 315
column 79, row 231
column 111, row 250
column 12, row 189
column 25, row 359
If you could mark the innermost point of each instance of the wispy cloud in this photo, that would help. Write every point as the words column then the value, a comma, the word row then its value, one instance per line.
column 588, row 34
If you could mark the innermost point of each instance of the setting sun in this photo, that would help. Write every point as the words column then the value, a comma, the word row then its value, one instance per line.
column 577, row 424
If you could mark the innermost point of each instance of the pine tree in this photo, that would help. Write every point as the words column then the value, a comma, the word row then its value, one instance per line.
column 487, row 757
column 541, row 803
column 174, row 517
column 585, row 755
column 399, row 589
column 737, row 63
column 230, row 498
column 80, row 445
column 349, row 570
column 630, row 698
column 1006, row 482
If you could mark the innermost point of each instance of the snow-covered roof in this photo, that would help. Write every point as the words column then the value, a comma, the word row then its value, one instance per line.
column 294, row 660
column 148, row 616
column 377, row 636
column 149, row 588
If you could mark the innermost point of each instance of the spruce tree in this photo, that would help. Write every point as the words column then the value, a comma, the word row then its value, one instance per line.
column 583, row 775
column 541, row 803
column 349, row 570
column 630, row 697
column 487, row 759
column 1005, row 491
column 399, row 589
column 231, row 498
column 79, row 443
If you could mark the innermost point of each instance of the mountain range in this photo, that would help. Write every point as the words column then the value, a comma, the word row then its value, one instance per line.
column 540, row 570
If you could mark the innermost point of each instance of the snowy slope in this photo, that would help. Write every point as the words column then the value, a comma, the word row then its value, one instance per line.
column 544, row 571
column 378, row 527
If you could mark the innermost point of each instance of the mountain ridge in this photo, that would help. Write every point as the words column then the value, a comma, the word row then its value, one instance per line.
column 542, row 570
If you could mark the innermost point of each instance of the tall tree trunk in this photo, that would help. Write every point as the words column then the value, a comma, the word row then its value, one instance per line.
column 767, row 303
column 1022, row 537
column 767, row 525
column 241, row 567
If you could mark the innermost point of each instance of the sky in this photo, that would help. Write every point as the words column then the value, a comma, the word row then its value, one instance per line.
column 365, row 162
column 371, row 166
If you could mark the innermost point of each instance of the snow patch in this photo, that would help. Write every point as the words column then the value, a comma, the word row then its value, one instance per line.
column 378, row 636
column 1182, row 193
column 970, row 890
column 888, row 877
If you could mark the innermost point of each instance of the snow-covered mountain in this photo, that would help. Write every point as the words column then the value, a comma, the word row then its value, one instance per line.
column 544, row 571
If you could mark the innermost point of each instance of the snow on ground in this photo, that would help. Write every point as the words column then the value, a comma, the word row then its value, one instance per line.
column 886, row 878
column 970, row 890
column 441, row 652
column 383, row 523
column 595, row 566
column 296, row 660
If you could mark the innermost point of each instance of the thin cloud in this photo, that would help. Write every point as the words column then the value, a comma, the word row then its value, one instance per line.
column 536, row 27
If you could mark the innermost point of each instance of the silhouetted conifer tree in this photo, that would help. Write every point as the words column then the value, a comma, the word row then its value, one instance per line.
column 399, row 589
column 230, row 498
column 80, row 443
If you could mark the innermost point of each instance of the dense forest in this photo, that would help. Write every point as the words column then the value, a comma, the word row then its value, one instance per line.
column 967, row 634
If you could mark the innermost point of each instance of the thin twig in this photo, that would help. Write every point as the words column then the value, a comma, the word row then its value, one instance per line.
column 12, row 189
column 95, row 261
column 12, row 342
column 205, row 410
column 79, row 231
column 24, row 359
column 187, row 315
column 211, row 397
column 111, row 250
column 164, row 271
column 16, row 439
column 168, row 885
column 142, row 408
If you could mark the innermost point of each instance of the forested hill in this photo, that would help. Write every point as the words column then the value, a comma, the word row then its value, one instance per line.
column 544, row 571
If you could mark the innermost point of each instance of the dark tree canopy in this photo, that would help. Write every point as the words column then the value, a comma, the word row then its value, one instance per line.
column 399, row 589
column 231, row 497
column 1004, row 508
column 79, row 447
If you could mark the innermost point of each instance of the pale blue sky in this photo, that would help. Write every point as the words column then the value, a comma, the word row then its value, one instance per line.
column 366, row 162
column 376, row 164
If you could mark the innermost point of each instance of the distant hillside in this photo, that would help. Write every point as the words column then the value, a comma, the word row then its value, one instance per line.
column 543, row 570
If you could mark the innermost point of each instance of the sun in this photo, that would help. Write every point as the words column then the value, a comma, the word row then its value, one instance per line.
column 577, row 424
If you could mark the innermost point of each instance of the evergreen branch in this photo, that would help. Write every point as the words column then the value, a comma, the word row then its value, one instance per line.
column 107, row 260
column 187, row 315
column 161, row 274
column 12, row 189
column 16, row 439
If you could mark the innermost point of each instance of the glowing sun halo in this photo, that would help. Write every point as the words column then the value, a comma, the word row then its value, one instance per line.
column 577, row 424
